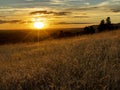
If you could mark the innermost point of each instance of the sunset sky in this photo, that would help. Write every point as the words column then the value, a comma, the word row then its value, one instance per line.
column 22, row 14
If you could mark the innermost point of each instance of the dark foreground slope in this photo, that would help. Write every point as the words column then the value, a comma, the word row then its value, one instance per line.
column 90, row 62
column 26, row 36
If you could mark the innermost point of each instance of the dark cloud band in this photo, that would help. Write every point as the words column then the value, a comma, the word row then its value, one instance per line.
column 11, row 21
column 73, row 23
column 50, row 12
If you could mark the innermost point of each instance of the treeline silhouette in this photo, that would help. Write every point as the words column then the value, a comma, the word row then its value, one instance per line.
column 103, row 26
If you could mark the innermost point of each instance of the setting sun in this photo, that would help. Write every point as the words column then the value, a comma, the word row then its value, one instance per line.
column 39, row 25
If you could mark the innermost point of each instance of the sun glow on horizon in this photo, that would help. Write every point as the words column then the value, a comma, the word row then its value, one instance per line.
column 39, row 25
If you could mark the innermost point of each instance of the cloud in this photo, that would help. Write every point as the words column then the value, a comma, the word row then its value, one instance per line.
column 87, row 3
column 2, row 16
column 84, row 8
column 50, row 12
column 73, row 23
column 115, row 10
column 10, row 21
column 57, row 1
column 108, row 5
column 15, row 21
column 81, row 16
column 29, row 0
column 105, row 3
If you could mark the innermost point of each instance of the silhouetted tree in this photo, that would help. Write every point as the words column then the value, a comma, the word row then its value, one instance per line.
column 101, row 26
column 108, row 21
column 109, row 24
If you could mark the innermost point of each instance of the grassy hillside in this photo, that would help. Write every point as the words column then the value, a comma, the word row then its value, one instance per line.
column 90, row 62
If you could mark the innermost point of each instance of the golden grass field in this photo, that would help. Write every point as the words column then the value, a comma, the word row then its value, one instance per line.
column 88, row 62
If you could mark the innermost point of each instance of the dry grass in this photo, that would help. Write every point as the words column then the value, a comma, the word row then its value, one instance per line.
column 81, row 63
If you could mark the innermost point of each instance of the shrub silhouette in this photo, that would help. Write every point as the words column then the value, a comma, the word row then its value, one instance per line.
column 89, row 30
column 61, row 34
column 109, row 24
column 92, row 30
column 108, row 21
